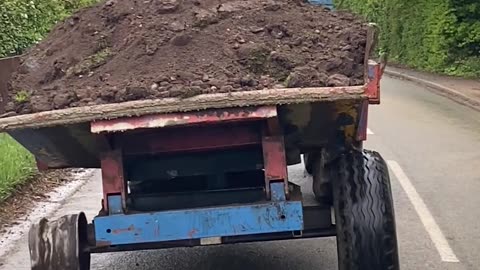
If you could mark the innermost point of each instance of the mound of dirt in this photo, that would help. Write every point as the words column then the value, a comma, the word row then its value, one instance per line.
column 123, row 50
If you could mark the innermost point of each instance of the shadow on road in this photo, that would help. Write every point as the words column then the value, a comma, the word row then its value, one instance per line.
column 283, row 255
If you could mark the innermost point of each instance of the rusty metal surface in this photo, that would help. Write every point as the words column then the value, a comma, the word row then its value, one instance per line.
column 274, row 156
column 373, row 86
column 363, row 122
column 313, row 126
column 189, row 118
column 112, row 177
column 7, row 67
column 187, row 139
column 308, row 125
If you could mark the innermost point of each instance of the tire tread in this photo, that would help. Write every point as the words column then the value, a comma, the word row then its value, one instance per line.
column 366, row 235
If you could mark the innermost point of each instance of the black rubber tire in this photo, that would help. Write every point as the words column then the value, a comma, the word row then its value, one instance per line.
column 322, row 188
column 308, row 162
column 364, row 214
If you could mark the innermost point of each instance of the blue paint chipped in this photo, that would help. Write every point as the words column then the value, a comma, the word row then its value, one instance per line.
column 278, row 191
column 115, row 205
column 269, row 217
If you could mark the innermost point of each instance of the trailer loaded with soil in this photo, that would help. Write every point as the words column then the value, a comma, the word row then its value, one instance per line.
column 193, row 110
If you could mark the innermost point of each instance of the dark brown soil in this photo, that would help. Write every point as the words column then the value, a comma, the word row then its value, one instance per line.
column 125, row 50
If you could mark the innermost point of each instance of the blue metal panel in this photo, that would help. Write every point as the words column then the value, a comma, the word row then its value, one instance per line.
column 326, row 3
column 115, row 205
column 199, row 223
column 278, row 191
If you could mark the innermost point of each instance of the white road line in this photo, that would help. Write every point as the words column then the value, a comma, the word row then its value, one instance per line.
column 370, row 132
column 438, row 239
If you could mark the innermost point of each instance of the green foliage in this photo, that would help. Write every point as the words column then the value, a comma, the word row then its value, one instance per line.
column 90, row 62
column 72, row 5
column 433, row 35
column 25, row 22
column 16, row 163
column 21, row 96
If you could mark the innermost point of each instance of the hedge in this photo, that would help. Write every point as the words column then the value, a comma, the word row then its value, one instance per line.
column 25, row 22
column 433, row 35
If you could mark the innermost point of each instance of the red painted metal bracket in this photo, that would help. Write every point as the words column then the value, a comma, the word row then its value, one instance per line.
column 375, row 72
column 274, row 157
column 187, row 118
column 112, row 177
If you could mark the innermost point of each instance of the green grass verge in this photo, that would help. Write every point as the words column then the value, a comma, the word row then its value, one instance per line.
column 17, row 165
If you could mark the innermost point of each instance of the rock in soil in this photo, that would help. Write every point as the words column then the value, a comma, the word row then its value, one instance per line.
column 123, row 50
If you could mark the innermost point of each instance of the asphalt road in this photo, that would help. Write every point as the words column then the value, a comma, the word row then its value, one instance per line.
column 433, row 147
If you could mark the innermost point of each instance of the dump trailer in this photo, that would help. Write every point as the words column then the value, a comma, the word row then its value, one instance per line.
column 212, row 170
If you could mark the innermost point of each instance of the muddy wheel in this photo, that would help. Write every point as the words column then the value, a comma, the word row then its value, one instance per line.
column 59, row 244
column 308, row 162
column 322, row 188
column 365, row 222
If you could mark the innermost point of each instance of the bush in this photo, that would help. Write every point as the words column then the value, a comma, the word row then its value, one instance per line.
column 433, row 35
column 17, row 165
column 25, row 22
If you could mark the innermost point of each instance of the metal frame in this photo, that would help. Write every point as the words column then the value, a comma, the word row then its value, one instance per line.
column 182, row 119
column 362, row 121
column 305, row 234
column 151, row 135
column 277, row 215
column 274, row 157
column 375, row 73
column 113, row 180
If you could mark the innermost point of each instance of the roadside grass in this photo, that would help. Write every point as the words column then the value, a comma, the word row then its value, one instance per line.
column 17, row 166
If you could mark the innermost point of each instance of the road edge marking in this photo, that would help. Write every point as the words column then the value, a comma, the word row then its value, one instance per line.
column 436, row 235
column 438, row 89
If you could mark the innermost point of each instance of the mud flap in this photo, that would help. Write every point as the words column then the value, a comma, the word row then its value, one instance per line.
column 59, row 244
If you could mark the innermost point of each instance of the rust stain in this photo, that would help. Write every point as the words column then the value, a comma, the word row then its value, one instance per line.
column 131, row 228
column 178, row 119
column 192, row 233
column 103, row 243
column 348, row 108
